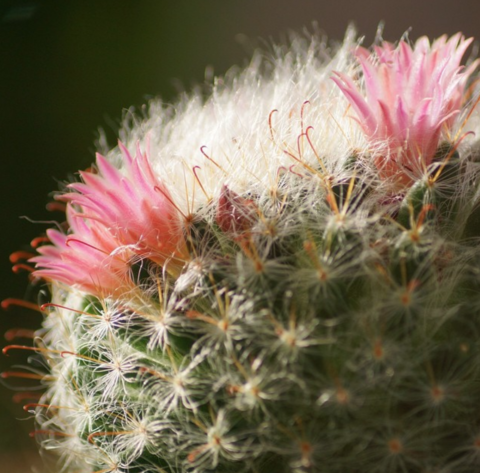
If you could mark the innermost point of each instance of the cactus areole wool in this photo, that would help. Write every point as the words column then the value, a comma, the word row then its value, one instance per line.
column 283, row 277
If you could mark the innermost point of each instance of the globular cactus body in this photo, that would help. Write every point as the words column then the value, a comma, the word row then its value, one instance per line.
column 283, row 278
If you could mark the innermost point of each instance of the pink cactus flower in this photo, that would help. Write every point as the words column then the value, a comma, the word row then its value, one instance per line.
column 89, row 258
column 411, row 95
column 135, row 207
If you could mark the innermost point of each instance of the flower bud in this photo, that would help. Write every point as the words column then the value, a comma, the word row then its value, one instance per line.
column 235, row 214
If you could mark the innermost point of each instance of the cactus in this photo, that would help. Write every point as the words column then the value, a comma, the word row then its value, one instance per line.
column 283, row 277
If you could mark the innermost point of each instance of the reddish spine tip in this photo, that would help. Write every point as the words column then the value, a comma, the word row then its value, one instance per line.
column 18, row 333
column 17, row 256
column 28, row 407
column 36, row 242
column 63, row 353
column 47, row 432
column 21, row 374
column 17, row 347
column 56, row 207
column 20, row 397
column 16, row 268
column 192, row 314
column 11, row 301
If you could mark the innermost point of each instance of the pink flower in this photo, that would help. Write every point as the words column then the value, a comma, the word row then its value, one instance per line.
column 135, row 208
column 89, row 258
column 410, row 95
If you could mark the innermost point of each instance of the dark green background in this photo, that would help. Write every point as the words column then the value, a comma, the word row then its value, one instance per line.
column 70, row 66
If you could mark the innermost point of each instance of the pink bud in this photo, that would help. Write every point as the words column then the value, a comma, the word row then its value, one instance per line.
column 235, row 214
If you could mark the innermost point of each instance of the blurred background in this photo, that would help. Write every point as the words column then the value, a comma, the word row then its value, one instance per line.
column 69, row 67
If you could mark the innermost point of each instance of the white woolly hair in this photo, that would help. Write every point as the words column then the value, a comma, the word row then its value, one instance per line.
column 238, row 136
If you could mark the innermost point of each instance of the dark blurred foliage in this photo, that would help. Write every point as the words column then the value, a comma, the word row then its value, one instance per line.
column 68, row 67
